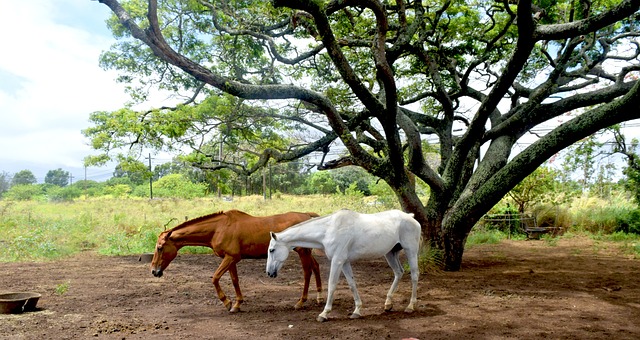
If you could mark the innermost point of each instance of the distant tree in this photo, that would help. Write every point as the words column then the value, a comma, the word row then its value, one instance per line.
column 57, row 177
column 23, row 177
column 321, row 182
column 137, row 172
column 533, row 188
column 632, row 171
column 347, row 176
column 5, row 182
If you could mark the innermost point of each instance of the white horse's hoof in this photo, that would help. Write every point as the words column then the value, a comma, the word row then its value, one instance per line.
column 388, row 308
column 321, row 319
column 355, row 316
column 408, row 310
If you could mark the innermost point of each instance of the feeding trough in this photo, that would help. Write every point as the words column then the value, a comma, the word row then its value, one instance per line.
column 146, row 258
column 13, row 303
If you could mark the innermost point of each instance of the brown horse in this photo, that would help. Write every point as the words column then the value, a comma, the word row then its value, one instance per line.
column 234, row 235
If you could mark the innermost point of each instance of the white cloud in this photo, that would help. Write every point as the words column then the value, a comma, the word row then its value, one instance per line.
column 51, row 81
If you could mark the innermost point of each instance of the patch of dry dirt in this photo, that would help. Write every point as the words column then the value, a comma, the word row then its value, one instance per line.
column 525, row 289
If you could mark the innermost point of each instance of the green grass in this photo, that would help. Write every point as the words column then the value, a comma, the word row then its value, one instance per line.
column 38, row 230
column 485, row 237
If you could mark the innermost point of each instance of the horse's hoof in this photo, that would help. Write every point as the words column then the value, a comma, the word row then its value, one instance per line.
column 298, row 306
column 388, row 308
column 234, row 309
column 320, row 301
column 408, row 310
column 355, row 316
column 321, row 319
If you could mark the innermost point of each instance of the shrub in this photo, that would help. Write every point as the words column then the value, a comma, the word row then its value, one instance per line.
column 178, row 186
column 553, row 216
column 24, row 192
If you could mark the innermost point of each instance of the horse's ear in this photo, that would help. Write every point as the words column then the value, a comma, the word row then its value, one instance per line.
column 273, row 235
column 168, row 234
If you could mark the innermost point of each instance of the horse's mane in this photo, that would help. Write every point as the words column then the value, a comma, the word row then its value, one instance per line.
column 196, row 220
column 312, row 219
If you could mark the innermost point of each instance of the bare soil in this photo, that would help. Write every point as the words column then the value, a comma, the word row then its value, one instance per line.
column 575, row 289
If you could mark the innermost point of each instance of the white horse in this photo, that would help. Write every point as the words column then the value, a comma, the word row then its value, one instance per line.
column 347, row 236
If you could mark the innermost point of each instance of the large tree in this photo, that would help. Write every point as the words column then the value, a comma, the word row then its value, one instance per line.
column 23, row 177
column 58, row 177
column 393, row 79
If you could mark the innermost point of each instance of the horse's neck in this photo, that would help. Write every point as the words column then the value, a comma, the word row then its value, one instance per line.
column 308, row 235
column 193, row 235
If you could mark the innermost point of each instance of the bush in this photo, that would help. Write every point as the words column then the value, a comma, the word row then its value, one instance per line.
column 178, row 186
column 598, row 216
column 553, row 216
column 24, row 192
column 629, row 223
column 62, row 194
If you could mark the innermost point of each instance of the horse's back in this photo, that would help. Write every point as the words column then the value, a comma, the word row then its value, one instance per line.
column 372, row 235
column 248, row 236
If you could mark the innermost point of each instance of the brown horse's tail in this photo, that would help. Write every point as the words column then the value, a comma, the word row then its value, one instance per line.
column 312, row 214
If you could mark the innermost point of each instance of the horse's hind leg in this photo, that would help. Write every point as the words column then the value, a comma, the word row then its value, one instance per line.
column 394, row 262
column 235, row 280
column 348, row 274
column 306, row 261
column 412, row 256
column 315, row 267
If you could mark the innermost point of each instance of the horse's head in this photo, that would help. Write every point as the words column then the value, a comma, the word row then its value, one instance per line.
column 166, row 251
column 277, row 254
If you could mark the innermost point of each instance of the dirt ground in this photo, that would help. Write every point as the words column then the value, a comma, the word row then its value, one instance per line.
column 575, row 289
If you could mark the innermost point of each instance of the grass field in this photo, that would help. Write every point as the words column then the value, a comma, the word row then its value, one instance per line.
column 31, row 230
column 35, row 230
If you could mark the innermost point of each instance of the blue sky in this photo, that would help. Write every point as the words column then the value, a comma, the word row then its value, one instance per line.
column 50, row 82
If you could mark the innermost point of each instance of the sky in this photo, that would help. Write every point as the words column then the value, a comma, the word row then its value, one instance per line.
column 50, row 81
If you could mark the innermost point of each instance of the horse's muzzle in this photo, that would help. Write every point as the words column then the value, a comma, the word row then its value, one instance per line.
column 156, row 272
column 272, row 274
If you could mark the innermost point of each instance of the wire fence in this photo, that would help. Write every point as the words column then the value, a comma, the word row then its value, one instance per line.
column 515, row 223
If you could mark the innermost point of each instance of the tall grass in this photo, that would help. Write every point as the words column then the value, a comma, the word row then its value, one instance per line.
column 37, row 230
column 34, row 230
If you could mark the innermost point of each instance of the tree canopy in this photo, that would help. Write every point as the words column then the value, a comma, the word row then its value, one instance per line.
column 23, row 177
column 449, row 93
column 57, row 177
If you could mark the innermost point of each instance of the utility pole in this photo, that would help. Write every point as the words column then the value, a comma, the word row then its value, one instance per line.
column 85, row 182
column 150, row 179
column 70, row 179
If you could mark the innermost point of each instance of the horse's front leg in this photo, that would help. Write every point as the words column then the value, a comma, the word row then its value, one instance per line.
column 233, row 272
column 222, row 268
column 334, row 276
column 348, row 274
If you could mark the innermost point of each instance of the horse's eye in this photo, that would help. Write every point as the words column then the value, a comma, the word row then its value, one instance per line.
column 159, row 248
column 271, row 250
